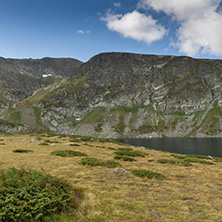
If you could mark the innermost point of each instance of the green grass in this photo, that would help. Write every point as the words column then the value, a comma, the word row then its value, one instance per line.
column 75, row 140
column 22, row 151
column 96, row 162
column 147, row 173
column 197, row 160
column 67, row 153
column 129, row 152
column 194, row 158
column 43, row 144
column 176, row 162
column 33, row 196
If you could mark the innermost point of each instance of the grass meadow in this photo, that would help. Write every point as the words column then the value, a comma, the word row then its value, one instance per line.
column 184, row 189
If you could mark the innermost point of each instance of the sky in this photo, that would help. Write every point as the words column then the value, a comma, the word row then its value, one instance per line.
column 81, row 29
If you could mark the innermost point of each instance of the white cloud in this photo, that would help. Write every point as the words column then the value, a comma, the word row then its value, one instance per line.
column 117, row 4
column 200, row 23
column 82, row 32
column 136, row 26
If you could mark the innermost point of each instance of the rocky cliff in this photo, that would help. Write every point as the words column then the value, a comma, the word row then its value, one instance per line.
column 129, row 95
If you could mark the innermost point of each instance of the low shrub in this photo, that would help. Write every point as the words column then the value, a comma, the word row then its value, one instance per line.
column 74, row 144
column 178, row 156
column 177, row 162
column 147, row 173
column 163, row 161
column 130, row 152
column 217, row 159
column 67, row 153
column 191, row 156
column 90, row 161
column 124, row 158
column 97, row 162
column 2, row 144
column 22, row 151
column 197, row 160
column 111, row 148
column 100, row 146
column 31, row 196
column 49, row 141
column 75, row 140
column 43, row 144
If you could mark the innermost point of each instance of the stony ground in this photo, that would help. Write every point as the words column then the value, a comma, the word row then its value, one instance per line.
column 188, row 193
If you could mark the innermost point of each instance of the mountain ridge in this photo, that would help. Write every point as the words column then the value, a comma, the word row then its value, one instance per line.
column 130, row 95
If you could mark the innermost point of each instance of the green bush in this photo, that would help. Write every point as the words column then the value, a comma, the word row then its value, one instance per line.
column 2, row 144
column 129, row 152
column 196, row 160
column 147, row 173
column 190, row 156
column 90, row 161
column 178, row 156
column 67, row 153
column 31, row 196
column 111, row 148
column 43, row 144
column 167, row 161
column 22, row 151
column 75, row 140
column 97, row 162
column 49, row 141
column 163, row 161
column 124, row 158
column 74, row 144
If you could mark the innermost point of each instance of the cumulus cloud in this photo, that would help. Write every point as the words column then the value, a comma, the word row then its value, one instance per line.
column 200, row 23
column 82, row 32
column 136, row 26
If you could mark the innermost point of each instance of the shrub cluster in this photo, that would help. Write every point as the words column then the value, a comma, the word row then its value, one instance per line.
column 97, row 162
column 67, row 153
column 194, row 158
column 177, row 162
column 124, row 158
column 74, row 144
column 22, row 151
column 129, row 152
column 147, row 173
column 31, row 196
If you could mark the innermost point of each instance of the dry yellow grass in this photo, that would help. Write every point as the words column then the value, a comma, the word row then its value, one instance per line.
column 187, row 194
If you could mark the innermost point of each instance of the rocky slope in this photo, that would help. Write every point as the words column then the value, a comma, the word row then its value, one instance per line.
column 129, row 95
column 20, row 78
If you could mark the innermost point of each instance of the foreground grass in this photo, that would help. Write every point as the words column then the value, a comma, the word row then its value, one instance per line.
column 184, row 193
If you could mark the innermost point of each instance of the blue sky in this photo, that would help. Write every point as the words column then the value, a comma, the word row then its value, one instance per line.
column 83, row 28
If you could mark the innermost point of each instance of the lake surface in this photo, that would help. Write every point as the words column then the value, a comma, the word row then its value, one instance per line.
column 200, row 146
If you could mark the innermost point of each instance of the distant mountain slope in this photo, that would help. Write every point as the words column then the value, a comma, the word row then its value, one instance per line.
column 20, row 77
column 129, row 95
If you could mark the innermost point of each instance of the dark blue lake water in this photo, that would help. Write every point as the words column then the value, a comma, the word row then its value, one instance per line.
column 200, row 146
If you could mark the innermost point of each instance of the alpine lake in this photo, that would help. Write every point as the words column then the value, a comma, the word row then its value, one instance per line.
column 197, row 146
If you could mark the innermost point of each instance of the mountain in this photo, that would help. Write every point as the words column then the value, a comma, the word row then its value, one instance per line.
column 19, row 78
column 128, row 95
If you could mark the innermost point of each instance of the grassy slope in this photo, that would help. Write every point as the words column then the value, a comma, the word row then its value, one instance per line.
column 187, row 194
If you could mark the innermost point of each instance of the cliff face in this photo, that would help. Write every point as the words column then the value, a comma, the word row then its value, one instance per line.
column 130, row 95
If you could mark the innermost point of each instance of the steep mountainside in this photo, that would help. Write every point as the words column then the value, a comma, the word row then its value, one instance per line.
column 19, row 78
column 129, row 95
